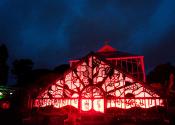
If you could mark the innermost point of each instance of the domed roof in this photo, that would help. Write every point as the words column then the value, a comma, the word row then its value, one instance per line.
column 107, row 48
column 108, row 51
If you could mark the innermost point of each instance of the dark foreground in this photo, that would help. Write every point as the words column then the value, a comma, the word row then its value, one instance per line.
column 9, row 117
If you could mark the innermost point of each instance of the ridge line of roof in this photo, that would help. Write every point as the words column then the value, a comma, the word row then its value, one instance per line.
column 106, row 61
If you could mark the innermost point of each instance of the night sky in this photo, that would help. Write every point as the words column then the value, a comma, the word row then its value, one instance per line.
column 50, row 32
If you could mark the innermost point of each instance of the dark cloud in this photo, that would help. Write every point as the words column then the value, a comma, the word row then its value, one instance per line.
column 162, row 52
column 50, row 32
column 29, row 27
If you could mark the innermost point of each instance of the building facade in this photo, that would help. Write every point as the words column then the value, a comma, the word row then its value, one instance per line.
column 101, row 81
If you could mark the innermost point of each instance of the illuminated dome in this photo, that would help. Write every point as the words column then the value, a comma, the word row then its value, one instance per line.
column 107, row 48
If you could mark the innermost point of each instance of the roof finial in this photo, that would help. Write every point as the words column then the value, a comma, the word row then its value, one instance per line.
column 106, row 42
column 107, row 47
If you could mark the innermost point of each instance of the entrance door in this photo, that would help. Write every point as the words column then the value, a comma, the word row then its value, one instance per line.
column 92, row 99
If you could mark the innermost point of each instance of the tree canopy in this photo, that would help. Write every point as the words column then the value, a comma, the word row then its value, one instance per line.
column 3, row 64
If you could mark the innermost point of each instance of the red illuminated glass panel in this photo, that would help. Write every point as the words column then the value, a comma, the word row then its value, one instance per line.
column 93, row 104
column 130, row 103
column 98, row 105
column 86, row 104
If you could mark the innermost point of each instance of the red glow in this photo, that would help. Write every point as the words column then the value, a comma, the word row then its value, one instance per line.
column 5, row 105
column 93, row 84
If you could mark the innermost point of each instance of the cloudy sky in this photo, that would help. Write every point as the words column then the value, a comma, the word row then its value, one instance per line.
column 50, row 32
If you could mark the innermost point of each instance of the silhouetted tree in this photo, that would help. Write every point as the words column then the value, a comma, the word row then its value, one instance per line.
column 161, row 73
column 3, row 65
column 44, row 77
column 22, row 70
column 61, row 68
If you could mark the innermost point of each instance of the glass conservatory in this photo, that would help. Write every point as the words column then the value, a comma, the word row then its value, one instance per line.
column 99, row 81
